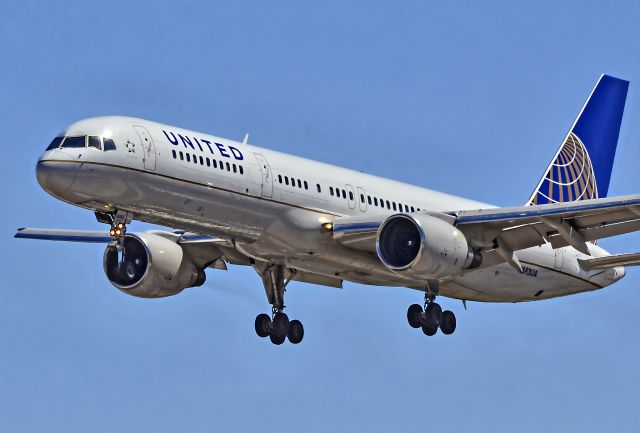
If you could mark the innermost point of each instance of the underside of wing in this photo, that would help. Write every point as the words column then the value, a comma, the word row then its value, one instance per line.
column 560, row 224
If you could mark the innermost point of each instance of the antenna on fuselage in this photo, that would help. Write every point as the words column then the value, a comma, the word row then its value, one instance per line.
column 246, row 138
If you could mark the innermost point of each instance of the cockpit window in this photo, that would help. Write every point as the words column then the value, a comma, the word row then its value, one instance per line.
column 109, row 144
column 74, row 142
column 55, row 143
column 95, row 141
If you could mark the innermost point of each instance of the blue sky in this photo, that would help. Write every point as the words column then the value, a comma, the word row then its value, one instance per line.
column 472, row 98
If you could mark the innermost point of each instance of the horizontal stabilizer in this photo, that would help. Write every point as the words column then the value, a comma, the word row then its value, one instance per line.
column 630, row 259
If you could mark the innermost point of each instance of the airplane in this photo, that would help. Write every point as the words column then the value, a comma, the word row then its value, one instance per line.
column 226, row 202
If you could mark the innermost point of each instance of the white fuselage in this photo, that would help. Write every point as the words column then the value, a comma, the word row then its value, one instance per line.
column 271, row 206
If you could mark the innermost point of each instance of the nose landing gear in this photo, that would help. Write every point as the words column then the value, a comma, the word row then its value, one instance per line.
column 277, row 327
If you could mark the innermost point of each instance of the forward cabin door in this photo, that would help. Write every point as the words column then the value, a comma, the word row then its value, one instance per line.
column 148, row 149
column 267, row 178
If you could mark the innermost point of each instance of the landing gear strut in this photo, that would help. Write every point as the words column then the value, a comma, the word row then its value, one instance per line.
column 431, row 317
column 118, row 225
column 277, row 326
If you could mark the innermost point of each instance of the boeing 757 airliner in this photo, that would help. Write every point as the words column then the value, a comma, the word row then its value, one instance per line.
column 293, row 219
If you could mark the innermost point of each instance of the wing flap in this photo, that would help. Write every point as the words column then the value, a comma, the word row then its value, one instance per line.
column 630, row 259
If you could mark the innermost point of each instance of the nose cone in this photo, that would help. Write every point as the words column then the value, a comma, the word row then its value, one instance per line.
column 56, row 177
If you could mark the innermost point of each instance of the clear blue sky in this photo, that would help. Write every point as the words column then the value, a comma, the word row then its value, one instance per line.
column 472, row 98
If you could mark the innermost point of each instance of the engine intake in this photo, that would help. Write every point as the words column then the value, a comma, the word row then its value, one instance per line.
column 425, row 246
column 150, row 266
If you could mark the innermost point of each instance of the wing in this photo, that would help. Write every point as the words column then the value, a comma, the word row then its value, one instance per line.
column 561, row 224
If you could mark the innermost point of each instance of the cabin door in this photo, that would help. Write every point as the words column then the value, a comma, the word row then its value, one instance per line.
column 148, row 149
column 267, row 178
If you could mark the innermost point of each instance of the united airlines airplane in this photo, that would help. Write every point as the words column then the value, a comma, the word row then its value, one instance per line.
column 292, row 219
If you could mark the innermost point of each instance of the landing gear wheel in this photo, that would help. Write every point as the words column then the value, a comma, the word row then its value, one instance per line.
column 263, row 324
column 279, row 325
column 429, row 329
column 433, row 314
column 414, row 314
column 296, row 332
column 277, row 339
column 448, row 323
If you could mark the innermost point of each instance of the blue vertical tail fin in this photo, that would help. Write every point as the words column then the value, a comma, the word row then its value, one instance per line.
column 581, row 169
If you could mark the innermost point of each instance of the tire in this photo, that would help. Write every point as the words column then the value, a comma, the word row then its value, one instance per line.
column 414, row 316
column 429, row 329
column 263, row 323
column 277, row 339
column 279, row 326
column 433, row 314
column 296, row 332
column 448, row 324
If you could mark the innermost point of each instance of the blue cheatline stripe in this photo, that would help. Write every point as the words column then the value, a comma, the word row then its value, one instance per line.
column 356, row 227
column 67, row 238
column 543, row 212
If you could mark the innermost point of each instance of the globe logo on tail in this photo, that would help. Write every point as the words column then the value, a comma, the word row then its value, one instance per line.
column 570, row 177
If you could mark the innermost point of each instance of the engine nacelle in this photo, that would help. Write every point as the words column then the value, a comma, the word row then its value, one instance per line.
column 424, row 246
column 150, row 266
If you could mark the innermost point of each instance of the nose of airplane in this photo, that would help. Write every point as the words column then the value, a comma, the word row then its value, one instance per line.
column 56, row 177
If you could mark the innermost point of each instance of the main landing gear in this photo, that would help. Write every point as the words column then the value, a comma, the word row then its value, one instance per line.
column 431, row 317
column 277, row 327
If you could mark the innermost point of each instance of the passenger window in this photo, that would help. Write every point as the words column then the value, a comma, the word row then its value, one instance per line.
column 201, row 161
column 293, row 182
column 241, row 169
column 108, row 144
column 173, row 152
column 74, row 142
column 306, row 186
column 188, row 157
column 350, row 195
column 95, row 142
column 394, row 205
column 369, row 200
column 181, row 156
column 279, row 178
column 361, row 198
column 228, row 167
column 388, row 205
column 208, row 162
column 235, row 168
column 55, row 143
column 344, row 194
column 195, row 159
column 318, row 187
column 221, row 165
column 375, row 201
column 331, row 191
column 214, row 163
column 299, row 184
column 413, row 209
column 286, row 180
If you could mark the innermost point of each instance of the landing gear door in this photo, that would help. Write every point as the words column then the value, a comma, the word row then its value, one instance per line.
column 148, row 149
column 267, row 178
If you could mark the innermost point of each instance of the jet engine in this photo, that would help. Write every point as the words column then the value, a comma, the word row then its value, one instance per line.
column 424, row 246
column 150, row 266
